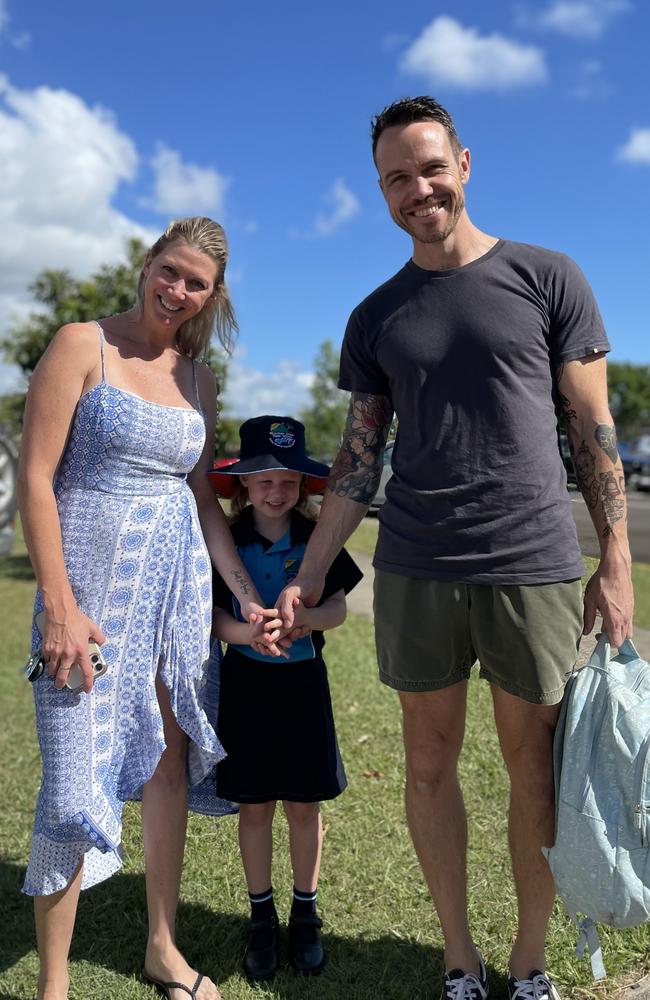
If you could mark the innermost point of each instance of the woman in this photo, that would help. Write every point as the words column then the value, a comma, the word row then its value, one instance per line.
column 113, row 474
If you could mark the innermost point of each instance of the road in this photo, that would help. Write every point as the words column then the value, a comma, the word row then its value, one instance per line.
column 638, row 526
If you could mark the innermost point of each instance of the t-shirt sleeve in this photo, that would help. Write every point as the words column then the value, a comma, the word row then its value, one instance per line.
column 359, row 370
column 221, row 594
column 576, row 326
column 344, row 574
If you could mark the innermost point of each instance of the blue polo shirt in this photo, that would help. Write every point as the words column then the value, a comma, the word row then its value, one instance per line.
column 273, row 565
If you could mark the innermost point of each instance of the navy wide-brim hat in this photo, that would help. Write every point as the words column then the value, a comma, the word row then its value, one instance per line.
column 270, row 444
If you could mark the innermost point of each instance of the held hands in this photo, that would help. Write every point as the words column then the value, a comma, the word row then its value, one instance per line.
column 285, row 637
column 610, row 591
column 265, row 629
column 304, row 589
column 66, row 643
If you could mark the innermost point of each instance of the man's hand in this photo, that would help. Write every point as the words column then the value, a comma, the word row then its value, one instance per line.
column 305, row 589
column 610, row 592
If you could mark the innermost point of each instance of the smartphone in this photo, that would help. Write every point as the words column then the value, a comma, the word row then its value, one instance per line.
column 75, row 680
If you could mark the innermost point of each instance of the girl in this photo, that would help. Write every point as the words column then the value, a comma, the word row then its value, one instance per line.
column 275, row 717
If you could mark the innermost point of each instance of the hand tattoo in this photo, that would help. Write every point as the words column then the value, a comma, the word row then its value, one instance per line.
column 606, row 438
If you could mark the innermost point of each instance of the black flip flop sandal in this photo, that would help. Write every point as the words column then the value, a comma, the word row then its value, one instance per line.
column 164, row 988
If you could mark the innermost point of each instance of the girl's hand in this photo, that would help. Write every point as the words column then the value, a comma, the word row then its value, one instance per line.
column 260, row 646
column 66, row 643
column 265, row 627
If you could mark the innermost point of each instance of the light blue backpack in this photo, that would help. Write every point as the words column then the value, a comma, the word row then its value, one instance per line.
column 601, row 857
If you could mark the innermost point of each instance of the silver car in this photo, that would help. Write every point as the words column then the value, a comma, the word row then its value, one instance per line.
column 8, row 473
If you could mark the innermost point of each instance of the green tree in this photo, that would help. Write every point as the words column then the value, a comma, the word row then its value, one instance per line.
column 65, row 299
column 324, row 420
column 629, row 397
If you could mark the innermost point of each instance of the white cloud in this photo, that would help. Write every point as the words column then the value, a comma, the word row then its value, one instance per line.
column 250, row 393
column 448, row 53
column 344, row 205
column 185, row 188
column 585, row 19
column 589, row 81
column 637, row 148
column 19, row 40
column 61, row 163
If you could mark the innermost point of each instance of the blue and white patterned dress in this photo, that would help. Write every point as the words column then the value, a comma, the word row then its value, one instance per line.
column 139, row 567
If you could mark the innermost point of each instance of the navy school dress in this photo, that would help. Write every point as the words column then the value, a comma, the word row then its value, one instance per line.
column 275, row 718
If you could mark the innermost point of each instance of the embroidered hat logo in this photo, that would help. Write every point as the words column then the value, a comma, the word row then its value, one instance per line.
column 282, row 435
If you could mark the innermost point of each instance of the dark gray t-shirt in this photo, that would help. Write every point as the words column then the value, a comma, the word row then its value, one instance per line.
column 467, row 357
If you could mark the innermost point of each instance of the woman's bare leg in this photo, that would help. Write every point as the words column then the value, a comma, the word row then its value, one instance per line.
column 164, row 821
column 55, row 916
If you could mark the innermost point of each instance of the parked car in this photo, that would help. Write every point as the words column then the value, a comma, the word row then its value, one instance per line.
column 636, row 463
column 8, row 478
column 386, row 473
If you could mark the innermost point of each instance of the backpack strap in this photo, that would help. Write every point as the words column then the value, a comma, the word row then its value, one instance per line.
column 589, row 939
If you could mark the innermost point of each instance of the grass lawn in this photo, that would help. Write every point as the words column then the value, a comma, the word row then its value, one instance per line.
column 381, row 933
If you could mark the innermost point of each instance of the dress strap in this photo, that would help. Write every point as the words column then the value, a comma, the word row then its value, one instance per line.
column 101, row 348
column 196, row 388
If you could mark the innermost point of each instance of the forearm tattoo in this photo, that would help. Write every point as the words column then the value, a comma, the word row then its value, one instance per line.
column 355, row 473
column 606, row 439
column 241, row 580
column 612, row 490
column 604, row 488
column 584, row 462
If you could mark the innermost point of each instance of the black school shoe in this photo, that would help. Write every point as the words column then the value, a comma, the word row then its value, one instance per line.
column 261, row 957
column 306, row 953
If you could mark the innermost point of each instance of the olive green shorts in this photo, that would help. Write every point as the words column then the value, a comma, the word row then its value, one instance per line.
column 429, row 633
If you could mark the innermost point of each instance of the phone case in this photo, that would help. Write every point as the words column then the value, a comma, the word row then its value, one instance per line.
column 75, row 677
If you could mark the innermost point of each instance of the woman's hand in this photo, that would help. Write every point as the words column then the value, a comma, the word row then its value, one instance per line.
column 65, row 643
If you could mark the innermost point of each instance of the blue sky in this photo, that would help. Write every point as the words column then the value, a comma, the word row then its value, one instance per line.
column 116, row 117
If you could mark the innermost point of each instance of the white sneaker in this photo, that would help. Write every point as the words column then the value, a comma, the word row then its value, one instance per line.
column 459, row 985
column 537, row 987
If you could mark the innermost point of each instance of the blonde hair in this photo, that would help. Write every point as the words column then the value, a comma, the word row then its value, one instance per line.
column 217, row 315
column 306, row 505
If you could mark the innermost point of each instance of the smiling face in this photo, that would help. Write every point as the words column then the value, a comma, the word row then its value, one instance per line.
column 178, row 283
column 422, row 180
column 273, row 494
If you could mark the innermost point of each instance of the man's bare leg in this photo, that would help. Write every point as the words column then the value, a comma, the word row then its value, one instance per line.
column 526, row 738
column 434, row 727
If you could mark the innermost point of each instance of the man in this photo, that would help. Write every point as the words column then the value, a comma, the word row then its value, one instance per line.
column 475, row 344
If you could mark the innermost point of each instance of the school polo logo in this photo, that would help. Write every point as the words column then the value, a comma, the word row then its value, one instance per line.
column 282, row 435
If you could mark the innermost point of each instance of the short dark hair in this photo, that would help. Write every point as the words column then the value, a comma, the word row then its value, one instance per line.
column 414, row 109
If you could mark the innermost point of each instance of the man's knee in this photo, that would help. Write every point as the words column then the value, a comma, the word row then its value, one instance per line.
column 434, row 726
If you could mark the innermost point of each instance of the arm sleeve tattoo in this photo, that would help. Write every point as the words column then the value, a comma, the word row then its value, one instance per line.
column 357, row 469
